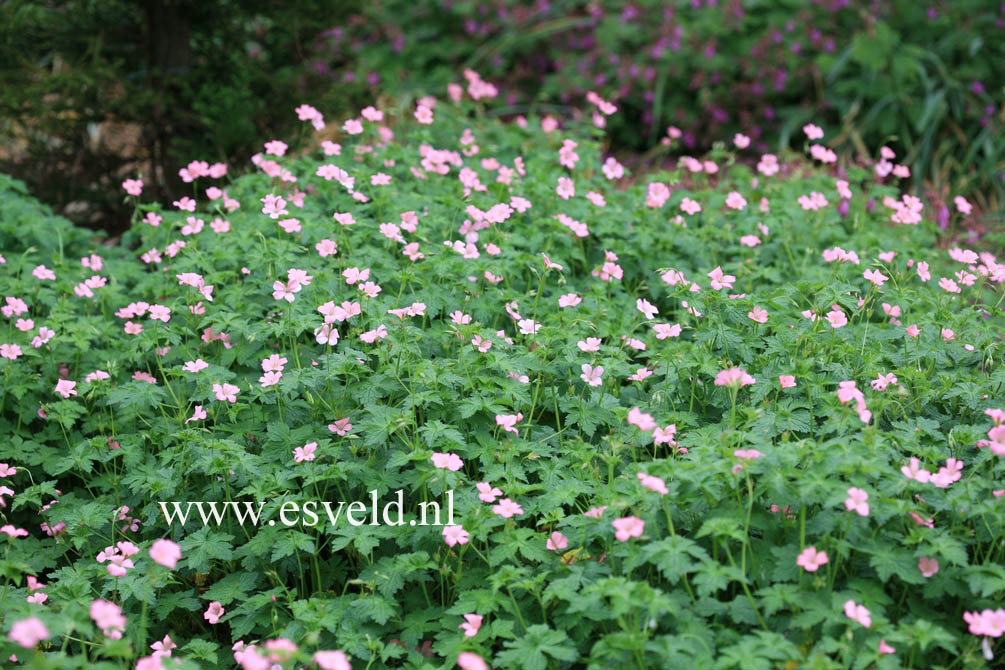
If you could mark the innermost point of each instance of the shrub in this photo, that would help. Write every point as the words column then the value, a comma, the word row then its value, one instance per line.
column 679, row 418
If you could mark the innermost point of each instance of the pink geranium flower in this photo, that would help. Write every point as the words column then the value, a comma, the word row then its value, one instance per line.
column 213, row 612
column 226, row 392
column 557, row 542
column 472, row 622
column 653, row 483
column 447, row 461
column 467, row 660
column 643, row 421
column 507, row 508
column 628, row 527
column 857, row 501
column 108, row 617
column 592, row 375
column 198, row 414
column 455, row 535
column 28, row 632
column 508, row 422
column 487, row 493
column 65, row 388
column 858, row 613
column 305, row 453
column 811, row 560
column 734, row 378
column 837, row 318
column 927, row 566
column 166, row 553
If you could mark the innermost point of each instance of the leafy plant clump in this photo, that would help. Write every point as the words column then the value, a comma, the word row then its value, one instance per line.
column 741, row 414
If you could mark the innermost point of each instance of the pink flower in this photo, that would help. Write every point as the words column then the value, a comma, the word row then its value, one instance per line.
column 487, row 493
column 735, row 201
column 275, row 148
column 647, row 308
column 913, row 330
column 332, row 660
column 915, row 472
column 720, row 280
column 990, row 623
column 591, row 344
column 948, row 474
column 108, row 617
column 884, row 648
column 305, row 453
column 213, row 612
column 455, row 535
column 665, row 435
column 482, row 344
column 875, row 276
column 928, row 566
column 653, row 483
column 741, row 141
column 28, row 632
column 612, row 169
column 226, row 392
column 340, row 427
column 11, row 351
column 186, row 204
column 665, row 330
column 757, row 314
column 507, row 508
column 467, row 660
column 734, row 378
column 641, row 420
column 133, row 186
column 65, row 388
column 689, row 206
column 198, row 415
column 195, row 366
column 857, row 613
column 595, row 512
column 566, row 189
column 472, row 622
column 423, row 115
column 42, row 272
column 592, row 375
column 813, row 132
column 786, row 381
column 811, row 560
column 165, row 552
column 856, row 501
column 569, row 300
column 628, row 527
column 837, row 318
column 447, row 461
column 508, row 422
column 326, row 247
column 747, row 454
column 656, row 195
column 557, row 542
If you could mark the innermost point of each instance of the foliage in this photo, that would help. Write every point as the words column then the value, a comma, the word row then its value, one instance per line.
column 649, row 514
column 921, row 78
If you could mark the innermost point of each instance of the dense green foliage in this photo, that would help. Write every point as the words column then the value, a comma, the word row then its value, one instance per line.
column 508, row 249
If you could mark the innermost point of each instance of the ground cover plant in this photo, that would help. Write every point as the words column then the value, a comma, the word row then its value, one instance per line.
column 741, row 414
column 920, row 77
